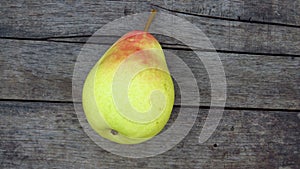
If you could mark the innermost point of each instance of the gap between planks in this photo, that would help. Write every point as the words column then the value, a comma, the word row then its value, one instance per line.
column 175, row 105
column 164, row 45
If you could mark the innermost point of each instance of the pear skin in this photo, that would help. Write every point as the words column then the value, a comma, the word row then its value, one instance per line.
column 128, row 95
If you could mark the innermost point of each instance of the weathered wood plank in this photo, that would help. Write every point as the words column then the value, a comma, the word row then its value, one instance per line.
column 248, row 37
column 48, row 135
column 265, row 11
column 50, row 20
column 40, row 70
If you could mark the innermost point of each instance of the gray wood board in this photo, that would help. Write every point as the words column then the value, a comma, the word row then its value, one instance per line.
column 264, row 11
column 40, row 70
column 48, row 135
column 259, row 45
column 50, row 20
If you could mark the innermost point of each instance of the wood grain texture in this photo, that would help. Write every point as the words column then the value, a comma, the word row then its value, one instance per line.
column 40, row 70
column 52, row 18
column 48, row 135
column 258, row 43
column 263, row 11
column 78, row 18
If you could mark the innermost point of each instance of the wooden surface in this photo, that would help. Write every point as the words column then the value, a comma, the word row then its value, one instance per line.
column 258, row 43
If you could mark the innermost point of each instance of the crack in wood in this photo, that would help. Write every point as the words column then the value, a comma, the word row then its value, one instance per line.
column 164, row 45
column 227, row 19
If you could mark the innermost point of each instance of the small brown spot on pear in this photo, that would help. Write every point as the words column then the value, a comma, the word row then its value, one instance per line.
column 113, row 132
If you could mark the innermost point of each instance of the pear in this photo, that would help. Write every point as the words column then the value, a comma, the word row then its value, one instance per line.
column 128, row 95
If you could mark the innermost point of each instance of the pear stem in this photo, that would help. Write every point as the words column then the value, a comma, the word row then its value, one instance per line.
column 150, row 19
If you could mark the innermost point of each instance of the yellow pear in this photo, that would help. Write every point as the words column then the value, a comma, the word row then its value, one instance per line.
column 128, row 95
